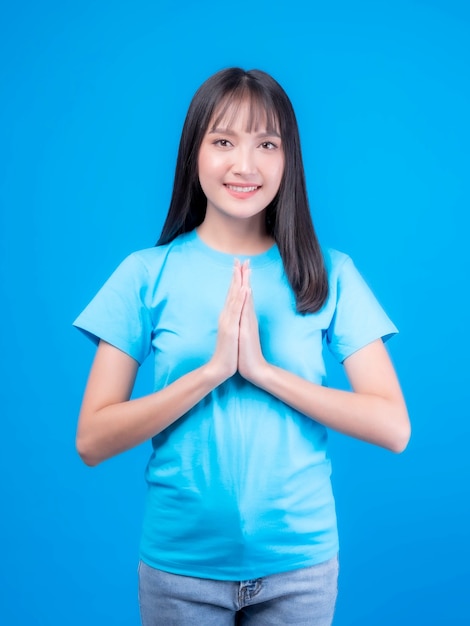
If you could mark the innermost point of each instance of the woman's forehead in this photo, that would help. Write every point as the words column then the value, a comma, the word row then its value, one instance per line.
column 248, row 113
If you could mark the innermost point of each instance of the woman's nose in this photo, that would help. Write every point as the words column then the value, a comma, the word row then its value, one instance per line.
column 245, row 161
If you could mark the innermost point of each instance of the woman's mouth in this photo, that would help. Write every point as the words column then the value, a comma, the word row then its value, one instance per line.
column 242, row 189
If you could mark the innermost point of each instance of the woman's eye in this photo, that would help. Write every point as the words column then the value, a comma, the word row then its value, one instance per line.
column 223, row 143
column 268, row 145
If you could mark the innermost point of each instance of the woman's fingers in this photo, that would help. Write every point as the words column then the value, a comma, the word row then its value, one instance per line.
column 238, row 345
column 245, row 274
column 250, row 356
column 236, row 293
column 225, row 358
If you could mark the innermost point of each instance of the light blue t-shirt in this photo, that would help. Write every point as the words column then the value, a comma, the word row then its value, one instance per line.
column 239, row 487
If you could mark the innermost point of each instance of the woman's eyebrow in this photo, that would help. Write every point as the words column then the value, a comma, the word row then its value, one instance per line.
column 228, row 131
column 221, row 131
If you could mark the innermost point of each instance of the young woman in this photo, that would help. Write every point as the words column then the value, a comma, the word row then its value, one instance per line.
column 236, row 302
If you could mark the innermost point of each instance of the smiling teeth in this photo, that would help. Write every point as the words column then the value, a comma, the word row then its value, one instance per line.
column 242, row 189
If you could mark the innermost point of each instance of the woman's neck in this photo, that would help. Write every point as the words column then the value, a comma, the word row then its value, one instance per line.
column 235, row 236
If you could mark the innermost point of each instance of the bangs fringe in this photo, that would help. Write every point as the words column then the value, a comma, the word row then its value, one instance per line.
column 262, row 111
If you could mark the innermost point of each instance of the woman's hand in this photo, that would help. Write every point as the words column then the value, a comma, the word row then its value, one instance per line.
column 238, row 346
column 250, row 357
column 224, row 362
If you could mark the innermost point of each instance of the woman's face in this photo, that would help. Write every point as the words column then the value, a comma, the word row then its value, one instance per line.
column 240, row 171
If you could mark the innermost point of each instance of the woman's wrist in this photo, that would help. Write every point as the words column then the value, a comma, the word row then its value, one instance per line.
column 214, row 375
column 260, row 375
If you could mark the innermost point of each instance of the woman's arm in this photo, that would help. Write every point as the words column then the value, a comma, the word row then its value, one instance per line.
column 110, row 422
column 374, row 411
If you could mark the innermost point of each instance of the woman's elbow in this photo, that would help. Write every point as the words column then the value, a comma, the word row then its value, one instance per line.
column 86, row 452
column 401, row 433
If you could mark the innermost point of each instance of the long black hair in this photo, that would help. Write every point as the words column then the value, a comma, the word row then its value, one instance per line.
column 288, row 217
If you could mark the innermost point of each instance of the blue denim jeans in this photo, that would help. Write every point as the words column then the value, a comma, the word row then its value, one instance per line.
column 302, row 597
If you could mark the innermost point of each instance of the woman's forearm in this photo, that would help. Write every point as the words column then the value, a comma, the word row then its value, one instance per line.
column 117, row 427
column 372, row 418
column 376, row 419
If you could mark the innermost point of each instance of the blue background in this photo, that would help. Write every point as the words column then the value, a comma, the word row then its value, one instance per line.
column 93, row 97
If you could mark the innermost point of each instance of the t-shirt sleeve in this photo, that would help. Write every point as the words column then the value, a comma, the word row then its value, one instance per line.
column 119, row 313
column 358, row 319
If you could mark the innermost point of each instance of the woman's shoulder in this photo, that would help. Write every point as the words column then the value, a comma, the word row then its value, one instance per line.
column 153, row 258
column 334, row 259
